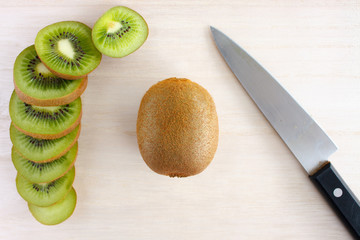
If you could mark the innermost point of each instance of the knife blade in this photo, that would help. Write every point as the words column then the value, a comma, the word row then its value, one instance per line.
column 302, row 135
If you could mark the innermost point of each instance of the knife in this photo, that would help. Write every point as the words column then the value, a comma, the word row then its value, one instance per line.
column 303, row 136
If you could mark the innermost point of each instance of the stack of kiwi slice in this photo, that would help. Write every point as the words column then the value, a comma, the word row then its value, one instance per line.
column 46, row 110
column 45, row 106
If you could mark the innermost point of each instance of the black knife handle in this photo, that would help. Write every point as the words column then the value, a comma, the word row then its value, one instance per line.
column 340, row 197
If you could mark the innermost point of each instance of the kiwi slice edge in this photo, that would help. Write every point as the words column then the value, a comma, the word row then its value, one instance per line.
column 119, row 32
column 44, row 172
column 44, row 122
column 42, row 150
column 45, row 194
column 36, row 85
column 67, row 50
column 56, row 213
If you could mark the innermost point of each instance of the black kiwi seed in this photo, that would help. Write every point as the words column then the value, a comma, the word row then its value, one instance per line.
column 39, row 143
column 44, row 114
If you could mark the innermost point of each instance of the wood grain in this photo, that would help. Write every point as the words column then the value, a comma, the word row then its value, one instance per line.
column 254, row 188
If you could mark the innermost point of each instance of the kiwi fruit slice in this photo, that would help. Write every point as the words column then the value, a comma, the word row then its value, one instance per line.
column 119, row 32
column 44, row 122
column 42, row 150
column 67, row 50
column 56, row 213
column 36, row 85
column 45, row 194
column 44, row 172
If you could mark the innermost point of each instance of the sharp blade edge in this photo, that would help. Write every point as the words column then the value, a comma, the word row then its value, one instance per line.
column 304, row 137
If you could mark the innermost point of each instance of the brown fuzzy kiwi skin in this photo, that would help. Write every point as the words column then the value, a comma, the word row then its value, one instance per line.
column 177, row 128
column 52, row 102
column 66, row 76
column 62, row 153
column 51, row 136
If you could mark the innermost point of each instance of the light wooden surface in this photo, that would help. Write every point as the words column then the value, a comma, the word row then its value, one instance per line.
column 254, row 188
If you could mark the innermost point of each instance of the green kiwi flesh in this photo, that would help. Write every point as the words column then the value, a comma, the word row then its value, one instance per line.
column 42, row 150
column 44, row 120
column 56, row 213
column 45, row 194
column 119, row 32
column 44, row 172
column 34, row 80
column 66, row 48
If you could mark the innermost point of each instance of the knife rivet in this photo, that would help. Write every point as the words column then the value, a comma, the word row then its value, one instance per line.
column 338, row 192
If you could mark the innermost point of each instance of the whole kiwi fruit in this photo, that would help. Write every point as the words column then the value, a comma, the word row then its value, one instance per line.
column 177, row 128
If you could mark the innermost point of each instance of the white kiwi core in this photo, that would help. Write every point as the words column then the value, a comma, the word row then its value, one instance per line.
column 113, row 27
column 40, row 67
column 46, row 109
column 66, row 48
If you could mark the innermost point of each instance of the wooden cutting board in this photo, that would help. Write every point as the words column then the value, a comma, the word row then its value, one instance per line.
column 254, row 188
